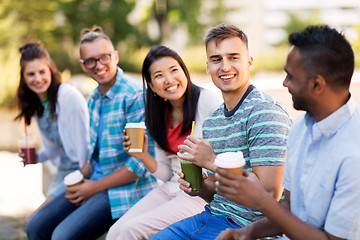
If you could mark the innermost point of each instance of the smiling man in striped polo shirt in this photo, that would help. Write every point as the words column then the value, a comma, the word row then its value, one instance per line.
column 249, row 121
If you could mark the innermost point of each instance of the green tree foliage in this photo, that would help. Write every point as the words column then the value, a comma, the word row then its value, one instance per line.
column 218, row 11
column 111, row 15
column 356, row 45
column 300, row 20
column 27, row 20
column 57, row 23
column 170, row 14
column 356, row 42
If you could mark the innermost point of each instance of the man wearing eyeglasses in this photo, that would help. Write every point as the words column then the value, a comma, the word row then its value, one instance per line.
column 90, row 64
column 114, row 180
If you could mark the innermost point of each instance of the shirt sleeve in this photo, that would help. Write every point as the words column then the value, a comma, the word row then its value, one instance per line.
column 208, row 102
column 343, row 218
column 134, row 112
column 48, row 151
column 268, row 128
column 164, row 169
column 286, row 182
column 73, row 123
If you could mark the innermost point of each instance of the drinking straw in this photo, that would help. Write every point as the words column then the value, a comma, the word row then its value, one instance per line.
column 192, row 128
column 25, row 127
column 26, row 143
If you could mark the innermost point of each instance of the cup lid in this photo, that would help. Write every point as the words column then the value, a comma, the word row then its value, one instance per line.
column 230, row 160
column 73, row 178
column 135, row 125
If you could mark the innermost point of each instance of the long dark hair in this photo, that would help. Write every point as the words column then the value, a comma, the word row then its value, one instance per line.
column 28, row 102
column 156, row 106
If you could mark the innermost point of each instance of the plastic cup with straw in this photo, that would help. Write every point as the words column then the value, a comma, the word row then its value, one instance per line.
column 192, row 172
column 27, row 147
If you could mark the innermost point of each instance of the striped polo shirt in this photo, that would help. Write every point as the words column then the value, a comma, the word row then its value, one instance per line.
column 258, row 126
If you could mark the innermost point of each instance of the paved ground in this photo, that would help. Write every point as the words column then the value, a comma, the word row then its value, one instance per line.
column 21, row 193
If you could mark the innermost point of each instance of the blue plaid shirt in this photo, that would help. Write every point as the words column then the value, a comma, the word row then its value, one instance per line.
column 122, row 103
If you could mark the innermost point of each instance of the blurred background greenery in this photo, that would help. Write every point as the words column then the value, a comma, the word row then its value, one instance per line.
column 133, row 26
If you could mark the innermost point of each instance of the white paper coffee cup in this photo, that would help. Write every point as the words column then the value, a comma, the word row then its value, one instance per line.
column 230, row 161
column 136, row 132
column 73, row 178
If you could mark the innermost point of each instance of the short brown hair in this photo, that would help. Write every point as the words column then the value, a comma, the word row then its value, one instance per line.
column 224, row 31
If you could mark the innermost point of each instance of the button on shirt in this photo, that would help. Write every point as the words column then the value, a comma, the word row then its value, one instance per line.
column 122, row 103
column 322, row 171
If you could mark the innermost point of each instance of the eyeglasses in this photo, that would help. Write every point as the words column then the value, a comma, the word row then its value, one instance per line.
column 104, row 59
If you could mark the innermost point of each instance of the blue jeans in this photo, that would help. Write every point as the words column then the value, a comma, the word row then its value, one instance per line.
column 60, row 219
column 200, row 226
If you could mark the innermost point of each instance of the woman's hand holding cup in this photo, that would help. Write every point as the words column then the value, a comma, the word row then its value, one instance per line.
column 127, row 144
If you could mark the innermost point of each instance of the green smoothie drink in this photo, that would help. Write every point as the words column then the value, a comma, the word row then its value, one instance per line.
column 192, row 174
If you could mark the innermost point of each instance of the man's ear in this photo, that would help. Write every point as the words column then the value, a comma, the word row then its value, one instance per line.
column 250, row 63
column 116, row 56
column 83, row 67
column 318, row 84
